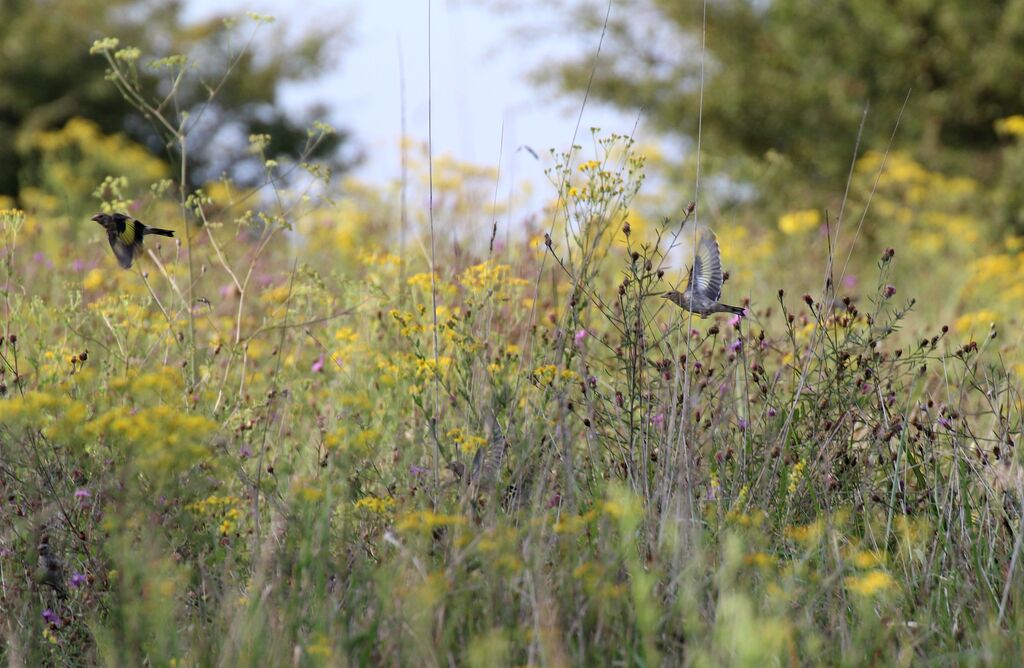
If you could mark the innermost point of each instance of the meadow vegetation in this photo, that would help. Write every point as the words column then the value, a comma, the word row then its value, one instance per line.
column 333, row 423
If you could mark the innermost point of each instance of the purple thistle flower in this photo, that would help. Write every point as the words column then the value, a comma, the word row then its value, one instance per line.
column 734, row 322
column 82, row 493
column 579, row 337
column 946, row 422
column 743, row 424
column 318, row 365
column 245, row 451
column 772, row 412
column 51, row 617
column 849, row 281
column 658, row 420
column 78, row 580
column 40, row 258
column 889, row 291
column 736, row 346
column 417, row 470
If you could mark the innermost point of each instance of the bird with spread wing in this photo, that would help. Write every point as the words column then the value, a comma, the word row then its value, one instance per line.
column 125, row 235
column 705, row 284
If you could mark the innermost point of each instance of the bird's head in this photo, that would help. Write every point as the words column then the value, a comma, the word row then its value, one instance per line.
column 100, row 218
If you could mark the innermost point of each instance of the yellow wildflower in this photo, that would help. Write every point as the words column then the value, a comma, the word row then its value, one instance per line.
column 870, row 583
column 375, row 504
column 1012, row 126
column 799, row 222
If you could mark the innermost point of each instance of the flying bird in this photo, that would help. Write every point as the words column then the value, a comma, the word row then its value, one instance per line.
column 125, row 235
column 705, row 284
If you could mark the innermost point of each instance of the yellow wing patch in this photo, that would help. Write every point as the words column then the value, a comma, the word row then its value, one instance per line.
column 130, row 232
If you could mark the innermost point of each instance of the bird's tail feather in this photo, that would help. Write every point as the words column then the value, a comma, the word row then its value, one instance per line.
column 738, row 310
column 157, row 230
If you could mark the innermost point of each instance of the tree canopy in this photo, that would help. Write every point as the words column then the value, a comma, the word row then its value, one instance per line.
column 47, row 77
column 793, row 77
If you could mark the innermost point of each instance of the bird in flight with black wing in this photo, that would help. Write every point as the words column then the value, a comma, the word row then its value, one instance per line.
column 125, row 235
column 705, row 285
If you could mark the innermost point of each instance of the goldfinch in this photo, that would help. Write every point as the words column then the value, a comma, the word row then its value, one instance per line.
column 125, row 235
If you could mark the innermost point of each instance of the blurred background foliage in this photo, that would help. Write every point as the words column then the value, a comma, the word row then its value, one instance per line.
column 48, row 78
column 787, row 82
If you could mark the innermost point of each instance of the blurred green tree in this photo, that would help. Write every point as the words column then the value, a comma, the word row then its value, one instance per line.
column 792, row 77
column 47, row 77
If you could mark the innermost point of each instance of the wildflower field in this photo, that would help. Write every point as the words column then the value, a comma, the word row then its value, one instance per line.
column 333, row 423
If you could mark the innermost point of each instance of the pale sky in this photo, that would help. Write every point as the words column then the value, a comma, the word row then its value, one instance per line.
column 479, row 82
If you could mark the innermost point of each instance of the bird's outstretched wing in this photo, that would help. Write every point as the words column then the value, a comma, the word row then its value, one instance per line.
column 125, row 238
column 124, row 252
column 706, row 274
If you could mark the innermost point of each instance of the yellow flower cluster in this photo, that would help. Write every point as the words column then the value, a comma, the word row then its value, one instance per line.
column 379, row 259
column 547, row 374
column 225, row 508
column 808, row 535
column 934, row 211
column 426, row 521
column 795, row 477
column 55, row 414
column 1012, row 126
column 94, row 280
column 84, row 135
column 800, row 222
column 375, row 504
column 599, row 581
column 407, row 325
column 995, row 288
column 164, row 441
column 427, row 367
column 871, row 583
column 573, row 524
column 467, row 443
column 490, row 276
column 422, row 280
column 976, row 322
column 163, row 382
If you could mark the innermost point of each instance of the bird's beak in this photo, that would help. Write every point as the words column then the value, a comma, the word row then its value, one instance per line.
column 96, row 218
